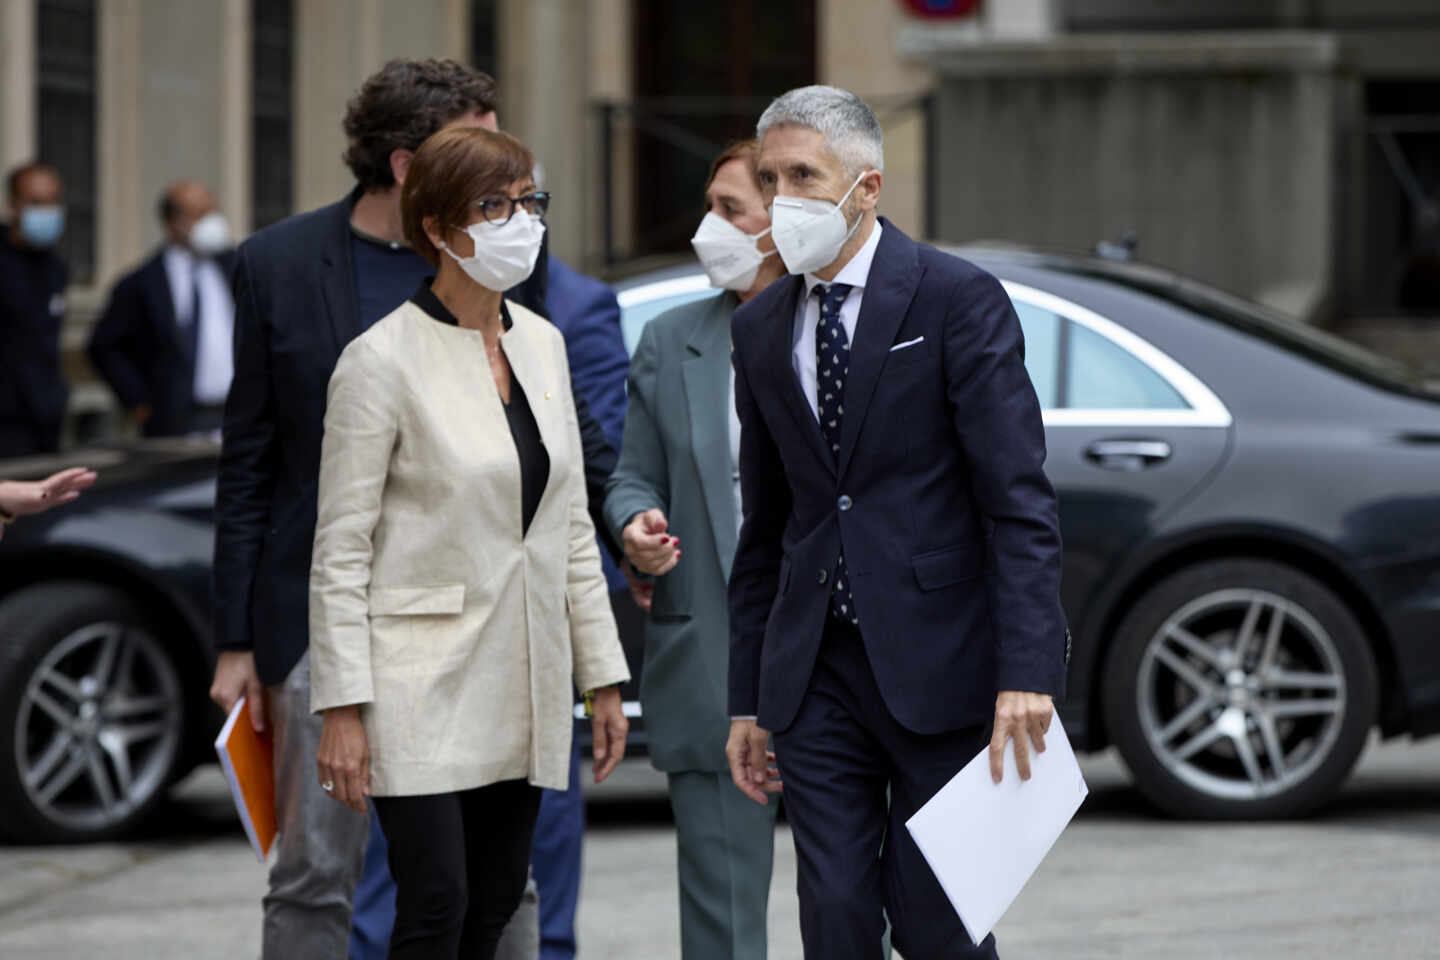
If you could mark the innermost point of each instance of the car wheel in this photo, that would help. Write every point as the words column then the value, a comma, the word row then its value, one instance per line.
column 92, row 715
column 1239, row 689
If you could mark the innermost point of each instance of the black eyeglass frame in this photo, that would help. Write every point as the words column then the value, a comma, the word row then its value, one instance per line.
column 538, row 199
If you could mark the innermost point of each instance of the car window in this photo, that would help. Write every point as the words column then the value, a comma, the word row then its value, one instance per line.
column 1042, row 351
column 1101, row 375
column 633, row 317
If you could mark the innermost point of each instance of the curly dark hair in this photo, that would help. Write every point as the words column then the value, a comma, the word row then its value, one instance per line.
column 399, row 107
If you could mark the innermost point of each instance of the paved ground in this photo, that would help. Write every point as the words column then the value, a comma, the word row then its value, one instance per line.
column 1362, row 879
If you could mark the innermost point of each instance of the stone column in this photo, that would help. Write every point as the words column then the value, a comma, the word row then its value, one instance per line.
column 17, row 79
column 543, row 73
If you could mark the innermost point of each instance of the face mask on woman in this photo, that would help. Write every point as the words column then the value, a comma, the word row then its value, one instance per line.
column 505, row 253
column 731, row 257
column 810, row 233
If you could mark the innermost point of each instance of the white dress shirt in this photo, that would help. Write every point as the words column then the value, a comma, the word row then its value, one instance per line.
column 214, row 359
column 807, row 315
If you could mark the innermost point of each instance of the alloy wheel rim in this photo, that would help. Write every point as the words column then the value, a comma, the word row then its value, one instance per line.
column 99, row 727
column 1241, row 694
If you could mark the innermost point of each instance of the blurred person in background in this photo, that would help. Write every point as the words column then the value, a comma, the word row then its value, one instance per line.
column 677, row 482
column 33, row 392
column 304, row 288
column 21, row 498
column 164, row 341
column 588, row 316
column 446, row 637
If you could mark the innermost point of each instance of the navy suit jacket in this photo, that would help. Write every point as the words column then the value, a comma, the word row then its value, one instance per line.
column 948, row 523
column 139, row 349
column 296, row 308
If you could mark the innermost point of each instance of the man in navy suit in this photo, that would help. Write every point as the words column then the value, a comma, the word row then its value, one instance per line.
column 895, row 596
column 164, row 341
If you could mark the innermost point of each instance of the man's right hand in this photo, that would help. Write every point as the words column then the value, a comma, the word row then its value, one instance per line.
column 235, row 677
column 752, row 765
column 648, row 544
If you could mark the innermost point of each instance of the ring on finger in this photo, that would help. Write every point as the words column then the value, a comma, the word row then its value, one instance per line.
column 328, row 786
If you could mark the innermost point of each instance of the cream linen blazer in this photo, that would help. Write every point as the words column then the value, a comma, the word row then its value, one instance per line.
column 459, row 636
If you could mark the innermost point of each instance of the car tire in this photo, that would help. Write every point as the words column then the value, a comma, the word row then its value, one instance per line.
column 1216, row 721
column 92, row 714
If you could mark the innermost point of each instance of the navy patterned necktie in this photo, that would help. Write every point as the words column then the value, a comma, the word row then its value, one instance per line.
column 832, row 366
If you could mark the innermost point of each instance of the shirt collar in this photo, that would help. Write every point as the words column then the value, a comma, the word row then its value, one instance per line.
column 425, row 299
column 857, row 271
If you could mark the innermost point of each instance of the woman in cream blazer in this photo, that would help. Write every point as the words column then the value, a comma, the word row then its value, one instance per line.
column 456, row 589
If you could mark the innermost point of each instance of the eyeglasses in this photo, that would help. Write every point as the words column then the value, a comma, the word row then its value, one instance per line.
column 499, row 210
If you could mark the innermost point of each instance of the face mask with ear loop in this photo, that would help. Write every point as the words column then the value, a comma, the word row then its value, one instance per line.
column 731, row 257
column 810, row 233
column 505, row 253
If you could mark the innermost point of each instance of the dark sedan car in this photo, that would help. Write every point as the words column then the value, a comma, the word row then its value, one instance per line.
column 1251, row 513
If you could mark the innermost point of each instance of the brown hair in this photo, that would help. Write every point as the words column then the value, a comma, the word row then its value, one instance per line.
column 747, row 150
column 402, row 104
column 450, row 172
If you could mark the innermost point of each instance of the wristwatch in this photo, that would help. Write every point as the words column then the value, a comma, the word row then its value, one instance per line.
column 6, row 518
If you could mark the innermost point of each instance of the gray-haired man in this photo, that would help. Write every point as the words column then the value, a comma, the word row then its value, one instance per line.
column 896, row 589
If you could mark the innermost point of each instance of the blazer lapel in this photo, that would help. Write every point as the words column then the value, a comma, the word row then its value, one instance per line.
column 162, row 301
column 533, row 372
column 780, row 353
column 706, row 377
column 337, row 284
column 894, row 277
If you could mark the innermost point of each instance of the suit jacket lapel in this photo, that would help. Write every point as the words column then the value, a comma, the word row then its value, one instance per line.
column 894, row 277
column 706, row 377
column 162, row 300
column 780, row 352
column 337, row 285
column 532, row 372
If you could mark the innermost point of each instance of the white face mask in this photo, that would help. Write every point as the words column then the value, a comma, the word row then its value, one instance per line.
column 731, row 257
column 505, row 254
column 210, row 234
column 810, row 233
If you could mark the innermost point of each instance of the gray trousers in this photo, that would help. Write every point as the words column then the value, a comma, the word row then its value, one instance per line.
column 321, row 844
column 726, row 847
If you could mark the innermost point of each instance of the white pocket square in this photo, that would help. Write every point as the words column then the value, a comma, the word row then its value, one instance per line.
column 907, row 343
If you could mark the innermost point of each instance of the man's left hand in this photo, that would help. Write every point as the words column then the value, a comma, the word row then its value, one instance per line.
column 1025, row 717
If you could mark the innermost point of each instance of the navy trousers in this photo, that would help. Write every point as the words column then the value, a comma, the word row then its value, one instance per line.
column 855, row 857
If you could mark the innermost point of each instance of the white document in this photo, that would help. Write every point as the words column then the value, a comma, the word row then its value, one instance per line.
column 983, row 840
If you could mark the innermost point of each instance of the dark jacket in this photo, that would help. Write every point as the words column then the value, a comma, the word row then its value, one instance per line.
column 33, row 392
column 140, row 350
column 295, row 310
column 939, row 496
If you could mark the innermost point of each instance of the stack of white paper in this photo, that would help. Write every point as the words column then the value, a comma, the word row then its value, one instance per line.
column 984, row 839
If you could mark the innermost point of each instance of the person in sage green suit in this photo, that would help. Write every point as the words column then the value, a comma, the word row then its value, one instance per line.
column 676, row 483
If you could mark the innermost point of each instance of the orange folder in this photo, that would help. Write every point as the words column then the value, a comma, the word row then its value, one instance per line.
column 248, row 759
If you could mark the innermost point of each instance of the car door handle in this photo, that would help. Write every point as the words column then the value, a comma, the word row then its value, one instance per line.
column 1127, row 454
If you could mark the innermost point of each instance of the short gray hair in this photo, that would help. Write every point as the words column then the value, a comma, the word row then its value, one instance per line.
column 850, row 128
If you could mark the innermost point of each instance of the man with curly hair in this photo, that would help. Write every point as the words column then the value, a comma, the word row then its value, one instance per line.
column 304, row 288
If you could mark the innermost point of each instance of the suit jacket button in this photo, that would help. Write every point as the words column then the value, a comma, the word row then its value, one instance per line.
column 845, row 503
column 824, row 575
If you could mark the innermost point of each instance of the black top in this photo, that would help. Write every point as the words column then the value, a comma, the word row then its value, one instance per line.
column 534, row 460
column 385, row 275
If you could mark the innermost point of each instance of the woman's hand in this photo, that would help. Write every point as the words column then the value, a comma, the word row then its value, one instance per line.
column 648, row 544
column 609, row 728
column 21, row 499
column 344, row 757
